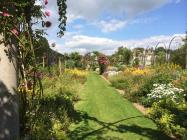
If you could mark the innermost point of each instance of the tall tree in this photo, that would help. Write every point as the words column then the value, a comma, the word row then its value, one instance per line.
column 122, row 56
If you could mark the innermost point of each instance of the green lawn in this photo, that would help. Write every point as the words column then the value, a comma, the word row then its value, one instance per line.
column 102, row 114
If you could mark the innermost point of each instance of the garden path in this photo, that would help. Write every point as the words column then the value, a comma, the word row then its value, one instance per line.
column 103, row 114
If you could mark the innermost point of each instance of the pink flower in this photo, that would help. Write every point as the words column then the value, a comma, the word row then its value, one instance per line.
column 5, row 14
column 46, row 2
column 14, row 31
column 47, row 13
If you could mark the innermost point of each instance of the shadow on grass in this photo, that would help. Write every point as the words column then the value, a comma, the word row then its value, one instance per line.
column 84, row 131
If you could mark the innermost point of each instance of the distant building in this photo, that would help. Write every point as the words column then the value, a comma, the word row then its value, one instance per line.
column 144, row 57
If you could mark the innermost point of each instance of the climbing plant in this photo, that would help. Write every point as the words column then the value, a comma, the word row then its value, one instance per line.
column 17, row 18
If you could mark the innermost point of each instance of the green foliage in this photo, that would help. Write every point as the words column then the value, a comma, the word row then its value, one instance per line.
column 178, row 56
column 169, row 113
column 103, row 63
column 109, row 115
column 169, row 119
column 120, row 82
column 74, row 60
column 55, row 109
column 123, row 56
column 90, row 60
column 136, row 62
column 161, row 57
column 162, row 117
column 62, row 16
column 70, row 64
column 161, row 78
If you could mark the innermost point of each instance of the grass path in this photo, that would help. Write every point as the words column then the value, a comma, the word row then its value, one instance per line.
column 104, row 115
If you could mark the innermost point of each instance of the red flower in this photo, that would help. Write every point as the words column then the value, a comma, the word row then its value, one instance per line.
column 46, row 2
column 14, row 31
column 5, row 14
column 47, row 13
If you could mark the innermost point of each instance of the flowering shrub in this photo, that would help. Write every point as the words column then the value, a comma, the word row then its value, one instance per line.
column 76, row 72
column 165, row 99
column 56, row 107
column 103, row 63
column 166, row 91
column 137, row 71
column 167, row 67
column 181, row 82
column 170, row 120
column 168, row 109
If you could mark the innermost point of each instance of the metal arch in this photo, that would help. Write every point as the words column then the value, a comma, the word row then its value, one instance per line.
column 169, row 46
column 165, row 47
column 174, row 39
column 159, row 44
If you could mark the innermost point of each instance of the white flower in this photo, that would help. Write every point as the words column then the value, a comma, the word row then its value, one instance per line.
column 161, row 91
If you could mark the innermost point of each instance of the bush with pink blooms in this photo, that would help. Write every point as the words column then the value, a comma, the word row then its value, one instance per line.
column 103, row 63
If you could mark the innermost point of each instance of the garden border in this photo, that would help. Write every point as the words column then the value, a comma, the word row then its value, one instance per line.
column 138, row 106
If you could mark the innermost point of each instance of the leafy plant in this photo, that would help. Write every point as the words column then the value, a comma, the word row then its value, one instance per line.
column 166, row 92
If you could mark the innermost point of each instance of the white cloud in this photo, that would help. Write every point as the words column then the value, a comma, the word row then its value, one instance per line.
column 71, row 17
column 83, row 44
column 91, row 9
column 111, row 25
column 94, row 11
column 121, row 12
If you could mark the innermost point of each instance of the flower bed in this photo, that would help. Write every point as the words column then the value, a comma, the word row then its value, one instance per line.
column 161, row 88
column 55, row 108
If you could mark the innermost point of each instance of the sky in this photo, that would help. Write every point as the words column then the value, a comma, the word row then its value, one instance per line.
column 105, row 25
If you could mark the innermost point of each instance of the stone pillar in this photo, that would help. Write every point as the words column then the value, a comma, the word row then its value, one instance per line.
column 9, row 101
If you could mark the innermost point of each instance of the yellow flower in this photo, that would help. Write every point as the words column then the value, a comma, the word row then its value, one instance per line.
column 137, row 71
column 76, row 72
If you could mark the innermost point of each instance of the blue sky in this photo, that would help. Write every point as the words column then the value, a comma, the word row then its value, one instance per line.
column 104, row 25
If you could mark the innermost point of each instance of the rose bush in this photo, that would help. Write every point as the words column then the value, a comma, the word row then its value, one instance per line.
column 103, row 63
column 17, row 19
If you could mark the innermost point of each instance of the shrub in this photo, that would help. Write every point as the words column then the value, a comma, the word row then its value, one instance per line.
column 103, row 63
column 162, row 117
column 168, row 120
column 168, row 109
column 162, row 92
column 181, row 82
column 54, row 110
